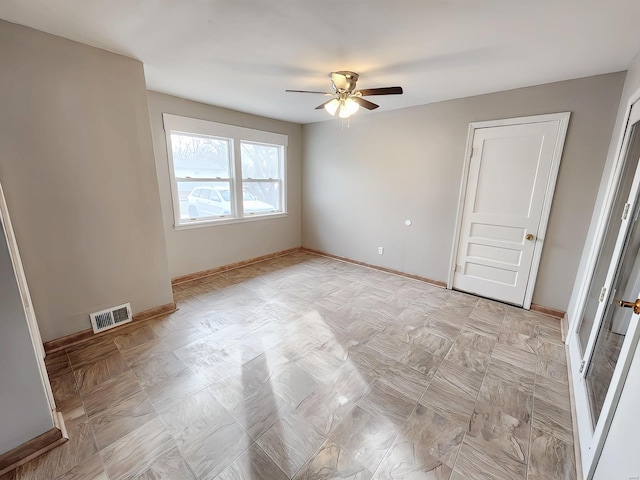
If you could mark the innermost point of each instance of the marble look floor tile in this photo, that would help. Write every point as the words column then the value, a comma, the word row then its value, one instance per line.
column 446, row 326
column 351, row 382
column 512, row 375
column 470, row 359
column 550, row 334
column 134, row 338
column 120, row 419
column 253, row 464
column 57, row 364
column 170, row 466
column 420, row 360
column 332, row 462
column 114, row 390
column 549, row 368
column 90, row 469
column 430, row 342
column 506, row 398
column 517, row 322
column 90, row 375
column 552, row 420
column 172, row 390
column 65, row 393
column 391, row 346
column 195, row 418
column 515, row 356
column 145, row 352
column 370, row 361
column 482, row 326
column 519, row 341
column 79, row 448
column 433, row 433
column 552, row 351
column 264, row 365
column 475, row 341
column 501, row 434
column 290, row 442
column 552, row 392
column 158, row 368
column 325, row 408
column 550, row 458
column 90, row 352
column 235, row 388
column 405, row 461
column 366, row 437
column 385, row 401
column 136, row 451
column 409, row 382
column 292, row 383
column 259, row 412
column 453, row 391
column 474, row 462
column 208, row 456
column 325, row 335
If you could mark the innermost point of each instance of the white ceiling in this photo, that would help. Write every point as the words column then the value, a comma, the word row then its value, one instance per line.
column 243, row 54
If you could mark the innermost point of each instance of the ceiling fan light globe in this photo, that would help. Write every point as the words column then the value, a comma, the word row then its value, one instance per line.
column 348, row 108
column 332, row 106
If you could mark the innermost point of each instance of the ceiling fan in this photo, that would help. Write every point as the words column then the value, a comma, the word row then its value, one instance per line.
column 346, row 99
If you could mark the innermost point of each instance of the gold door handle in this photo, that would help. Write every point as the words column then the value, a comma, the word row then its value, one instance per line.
column 529, row 236
column 635, row 305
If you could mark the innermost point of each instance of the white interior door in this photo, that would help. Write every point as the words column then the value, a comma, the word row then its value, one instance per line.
column 602, row 342
column 511, row 177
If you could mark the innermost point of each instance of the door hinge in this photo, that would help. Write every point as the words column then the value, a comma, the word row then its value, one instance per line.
column 458, row 268
column 603, row 292
column 625, row 212
column 582, row 364
column 473, row 151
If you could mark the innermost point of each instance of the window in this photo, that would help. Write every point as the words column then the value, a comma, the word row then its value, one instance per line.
column 223, row 173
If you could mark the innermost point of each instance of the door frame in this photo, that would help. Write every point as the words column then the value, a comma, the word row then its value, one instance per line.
column 593, row 437
column 563, row 119
column 27, row 304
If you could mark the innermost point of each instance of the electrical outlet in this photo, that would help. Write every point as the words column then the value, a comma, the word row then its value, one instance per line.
column 380, row 250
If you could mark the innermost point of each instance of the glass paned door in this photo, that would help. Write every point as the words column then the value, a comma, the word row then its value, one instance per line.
column 615, row 324
column 609, row 242
column 602, row 342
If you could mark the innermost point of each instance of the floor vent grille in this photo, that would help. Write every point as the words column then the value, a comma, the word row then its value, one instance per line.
column 111, row 317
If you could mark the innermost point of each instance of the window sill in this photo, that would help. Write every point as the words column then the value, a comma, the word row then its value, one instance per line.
column 228, row 221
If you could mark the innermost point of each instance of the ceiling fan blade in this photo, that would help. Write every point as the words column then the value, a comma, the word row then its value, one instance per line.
column 321, row 106
column 364, row 103
column 380, row 91
column 308, row 91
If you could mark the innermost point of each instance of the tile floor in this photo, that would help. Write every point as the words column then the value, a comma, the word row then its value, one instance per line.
column 304, row 367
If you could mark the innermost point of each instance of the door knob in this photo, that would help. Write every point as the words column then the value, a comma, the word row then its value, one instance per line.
column 529, row 236
column 635, row 305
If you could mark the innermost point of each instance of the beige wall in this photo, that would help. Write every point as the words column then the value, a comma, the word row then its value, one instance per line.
column 361, row 183
column 77, row 167
column 196, row 249
column 620, row 454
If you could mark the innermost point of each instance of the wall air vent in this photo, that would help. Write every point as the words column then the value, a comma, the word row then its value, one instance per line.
column 112, row 317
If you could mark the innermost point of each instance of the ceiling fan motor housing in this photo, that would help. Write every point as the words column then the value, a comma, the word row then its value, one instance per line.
column 344, row 81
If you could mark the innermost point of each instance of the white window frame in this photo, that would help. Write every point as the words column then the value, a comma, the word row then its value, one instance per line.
column 235, row 135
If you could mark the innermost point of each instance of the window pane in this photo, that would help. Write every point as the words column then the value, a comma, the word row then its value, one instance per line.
column 261, row 197
column 199, row 156
column 204, row 199
column 260, row 160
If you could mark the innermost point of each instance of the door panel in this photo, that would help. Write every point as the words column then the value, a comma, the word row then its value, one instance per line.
column 509, row 176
